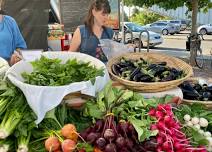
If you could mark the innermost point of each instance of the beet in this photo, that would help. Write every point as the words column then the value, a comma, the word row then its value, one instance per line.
column 110, row 148
column 123, row 127
column 123, row 150
column 91, row 138
column 120, row 142
column 129, row 143
column 100, row 143
column 109, row 134
column 99, row 125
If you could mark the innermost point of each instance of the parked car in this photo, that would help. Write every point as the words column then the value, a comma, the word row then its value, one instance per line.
column 155, row 38
column 205, row 29
column 161, row 27
column 179, row 23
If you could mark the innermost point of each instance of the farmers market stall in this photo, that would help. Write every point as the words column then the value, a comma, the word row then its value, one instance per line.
column 107, row 116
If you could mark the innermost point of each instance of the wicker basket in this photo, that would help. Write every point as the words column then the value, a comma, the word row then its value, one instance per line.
column 152, row 86
column 207, row 104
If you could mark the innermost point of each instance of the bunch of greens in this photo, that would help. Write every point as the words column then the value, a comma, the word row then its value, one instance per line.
column 51, row 72
column 194, row 110
column 125, row 105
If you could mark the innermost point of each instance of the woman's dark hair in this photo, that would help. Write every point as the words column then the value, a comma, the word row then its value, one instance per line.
column 98, row 5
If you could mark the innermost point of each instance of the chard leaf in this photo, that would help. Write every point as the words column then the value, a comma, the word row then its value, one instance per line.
column 109, row 95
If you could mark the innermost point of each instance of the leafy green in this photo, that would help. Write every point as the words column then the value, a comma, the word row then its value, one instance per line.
column 51, row 72
column 85, row 146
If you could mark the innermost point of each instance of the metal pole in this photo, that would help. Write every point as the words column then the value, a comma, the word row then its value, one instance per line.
column 122, row 21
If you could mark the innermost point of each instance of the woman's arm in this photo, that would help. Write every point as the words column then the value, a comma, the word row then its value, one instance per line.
column 76, row 40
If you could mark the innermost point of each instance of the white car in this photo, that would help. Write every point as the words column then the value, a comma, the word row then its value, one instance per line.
column 155, row 38
column 205, row 29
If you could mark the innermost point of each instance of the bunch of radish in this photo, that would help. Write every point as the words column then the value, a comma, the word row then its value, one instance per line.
column 199, row 124
column 170, row 138
column 65, row 140
column 109, row 136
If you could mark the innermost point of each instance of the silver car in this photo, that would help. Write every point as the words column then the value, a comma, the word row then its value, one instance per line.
column 155, row 38
column 161, row 27
column 205, row 29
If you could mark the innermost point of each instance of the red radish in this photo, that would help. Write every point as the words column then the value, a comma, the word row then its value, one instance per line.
column 52, row 144
column 167, row 119
column 159, row 114
column 166, row 145
column 160, row 107
column 69, row 131
column 159, row 140
column 152, row 112
column 68, row 145
column 153, row 127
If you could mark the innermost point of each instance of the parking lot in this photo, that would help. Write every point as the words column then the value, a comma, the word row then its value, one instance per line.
column 177, row 42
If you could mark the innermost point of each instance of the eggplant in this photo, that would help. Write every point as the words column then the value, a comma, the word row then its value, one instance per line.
column 116, row 69
column 152, row 66
column 159, row 70
column 137, row 77
column 209, row 88
column 134, row 72
column 187, row 94
column 206, row 96
column 162, row 63
column 146, row 78
column 188, row 86
column 197, row 87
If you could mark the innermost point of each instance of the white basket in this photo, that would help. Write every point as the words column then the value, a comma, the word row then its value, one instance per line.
column 44, row 98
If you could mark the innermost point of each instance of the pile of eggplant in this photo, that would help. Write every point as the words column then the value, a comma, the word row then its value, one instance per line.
column 196, row 91
column 143, row 71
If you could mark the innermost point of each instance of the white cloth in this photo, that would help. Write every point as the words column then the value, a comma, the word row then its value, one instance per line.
column 174, row 91
column 44, row 98
column 4, row 66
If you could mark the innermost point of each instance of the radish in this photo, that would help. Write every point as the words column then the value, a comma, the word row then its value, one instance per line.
column 68, row 145
column 152, row 112
column 195, row 120
column 52, row 144
column 197, row 126
column 69, row 131
column 207, row 134
column 187, row 117
column 203, row 122
column 201, row 132
column 189, row 123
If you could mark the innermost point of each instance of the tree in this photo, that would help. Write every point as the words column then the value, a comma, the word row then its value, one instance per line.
column 146, row 17
column 192, row 5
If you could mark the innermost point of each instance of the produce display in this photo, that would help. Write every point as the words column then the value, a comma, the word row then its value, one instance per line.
column 196, row 91
column 115, row 121
column 51, row 72
column 143, row 71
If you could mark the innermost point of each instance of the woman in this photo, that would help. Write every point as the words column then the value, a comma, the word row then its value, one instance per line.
column 86, row 37
column 10, row 39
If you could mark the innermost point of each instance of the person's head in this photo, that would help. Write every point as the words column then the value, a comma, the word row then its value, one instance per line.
column 97, row 13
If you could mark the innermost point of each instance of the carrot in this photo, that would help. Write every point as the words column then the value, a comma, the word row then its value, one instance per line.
column 69, row 132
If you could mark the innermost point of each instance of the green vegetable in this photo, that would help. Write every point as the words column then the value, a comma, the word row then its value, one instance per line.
column 51, row 72
column 7, row 145
column 12, row 117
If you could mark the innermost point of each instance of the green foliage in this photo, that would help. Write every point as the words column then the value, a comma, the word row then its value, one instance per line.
column 168, row 4
column 51, row 72
column 146, row 17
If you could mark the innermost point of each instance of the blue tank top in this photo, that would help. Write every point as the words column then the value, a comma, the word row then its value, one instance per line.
column 90, row 43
